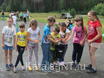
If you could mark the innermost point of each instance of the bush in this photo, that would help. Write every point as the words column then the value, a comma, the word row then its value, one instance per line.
column 72, row 12
column 99, row 8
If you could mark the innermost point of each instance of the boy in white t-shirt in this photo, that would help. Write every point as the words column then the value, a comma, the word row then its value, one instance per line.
column 8, row 42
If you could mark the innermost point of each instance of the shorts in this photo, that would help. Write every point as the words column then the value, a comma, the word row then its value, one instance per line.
column 8, row 47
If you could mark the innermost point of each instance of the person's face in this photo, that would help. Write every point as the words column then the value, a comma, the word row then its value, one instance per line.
column 51, row 23
column 62, row 28
column 90, row 17
column 78, row 22
column 33, row 27
column 22, row 29
column 10, row 21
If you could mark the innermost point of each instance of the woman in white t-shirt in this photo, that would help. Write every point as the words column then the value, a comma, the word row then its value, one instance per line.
column 8, row 42
column 33, row 40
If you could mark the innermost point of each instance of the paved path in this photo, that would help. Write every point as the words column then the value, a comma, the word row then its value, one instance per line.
column 61, row 74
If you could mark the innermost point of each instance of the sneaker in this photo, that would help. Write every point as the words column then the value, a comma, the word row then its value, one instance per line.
column 88, row 67
column 7, row 67
column 23, row 68
column 91, row 70
column 62, row 63
column 36, row 68
column 11, row 66
column 14, row 70
column 74, row 65
column 30, row 68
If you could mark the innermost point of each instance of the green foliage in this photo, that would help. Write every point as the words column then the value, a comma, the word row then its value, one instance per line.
column 99, row 8
column 72, row 12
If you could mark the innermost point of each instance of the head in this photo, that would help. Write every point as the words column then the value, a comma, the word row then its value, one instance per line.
column 33, row 24
column 22, row 27
column 78, row 20
column 10, row 21
column 68, row 22
column 63, row 26
column 56, row 30
column 92, row 15
column 51, row 21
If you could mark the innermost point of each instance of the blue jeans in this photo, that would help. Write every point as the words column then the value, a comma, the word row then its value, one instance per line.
column 46, row 54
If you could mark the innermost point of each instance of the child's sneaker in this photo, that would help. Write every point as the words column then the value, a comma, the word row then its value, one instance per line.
column 14, row 70
column 23, row 68
column 91, row 70
column 11, row 66
column 74, row 65
column 30, row 68
column 7, row 67
column 88, row 67
column 62, row 63
column 36, row 68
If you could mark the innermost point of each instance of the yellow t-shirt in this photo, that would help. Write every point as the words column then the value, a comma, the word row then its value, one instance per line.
column 55, row 35
column 21, row 38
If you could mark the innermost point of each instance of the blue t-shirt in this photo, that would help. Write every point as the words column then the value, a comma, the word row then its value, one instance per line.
column 46, row 32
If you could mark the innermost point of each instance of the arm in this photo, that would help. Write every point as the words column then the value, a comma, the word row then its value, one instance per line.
column 14, row 41
column 29, row 39
column 2, row 40
column 52, row 39
column 71, row 35
column 97, row 36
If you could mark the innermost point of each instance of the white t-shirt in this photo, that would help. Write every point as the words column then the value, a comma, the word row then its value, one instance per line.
column 64, row 33
column 33, row 35
column 14, row 20
column 9, row 33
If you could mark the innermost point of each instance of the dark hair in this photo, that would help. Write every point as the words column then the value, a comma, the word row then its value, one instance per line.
column 79, row 18
column 57, row 29
column 51, row 19
column 62, row 24
column 33, row 22
column 93, row 13
column 22, row 25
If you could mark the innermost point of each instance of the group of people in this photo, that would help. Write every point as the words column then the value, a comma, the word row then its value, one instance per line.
column 54, row 42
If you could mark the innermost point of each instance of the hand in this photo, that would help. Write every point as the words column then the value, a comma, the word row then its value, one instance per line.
column 2, row 45
column 26, row 48
column 82, row 43
column 89, row 41
column 14, row 46
column 56, row 41
column 36, row 41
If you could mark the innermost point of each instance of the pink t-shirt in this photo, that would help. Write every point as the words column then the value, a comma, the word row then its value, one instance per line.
column 78, row 34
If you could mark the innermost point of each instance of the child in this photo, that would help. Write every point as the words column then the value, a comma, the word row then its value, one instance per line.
column 21, row 39
column 33, row 41
column 46, row 43
column 8, row 42
column 64, row 32
column 54, row 38
column 79, row 34
column 69, row 24
column 94, row 36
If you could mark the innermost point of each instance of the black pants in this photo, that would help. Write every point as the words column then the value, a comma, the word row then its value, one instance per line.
column 77, row 52
column 20, row 55
column 61, row 51
column 25, row 20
